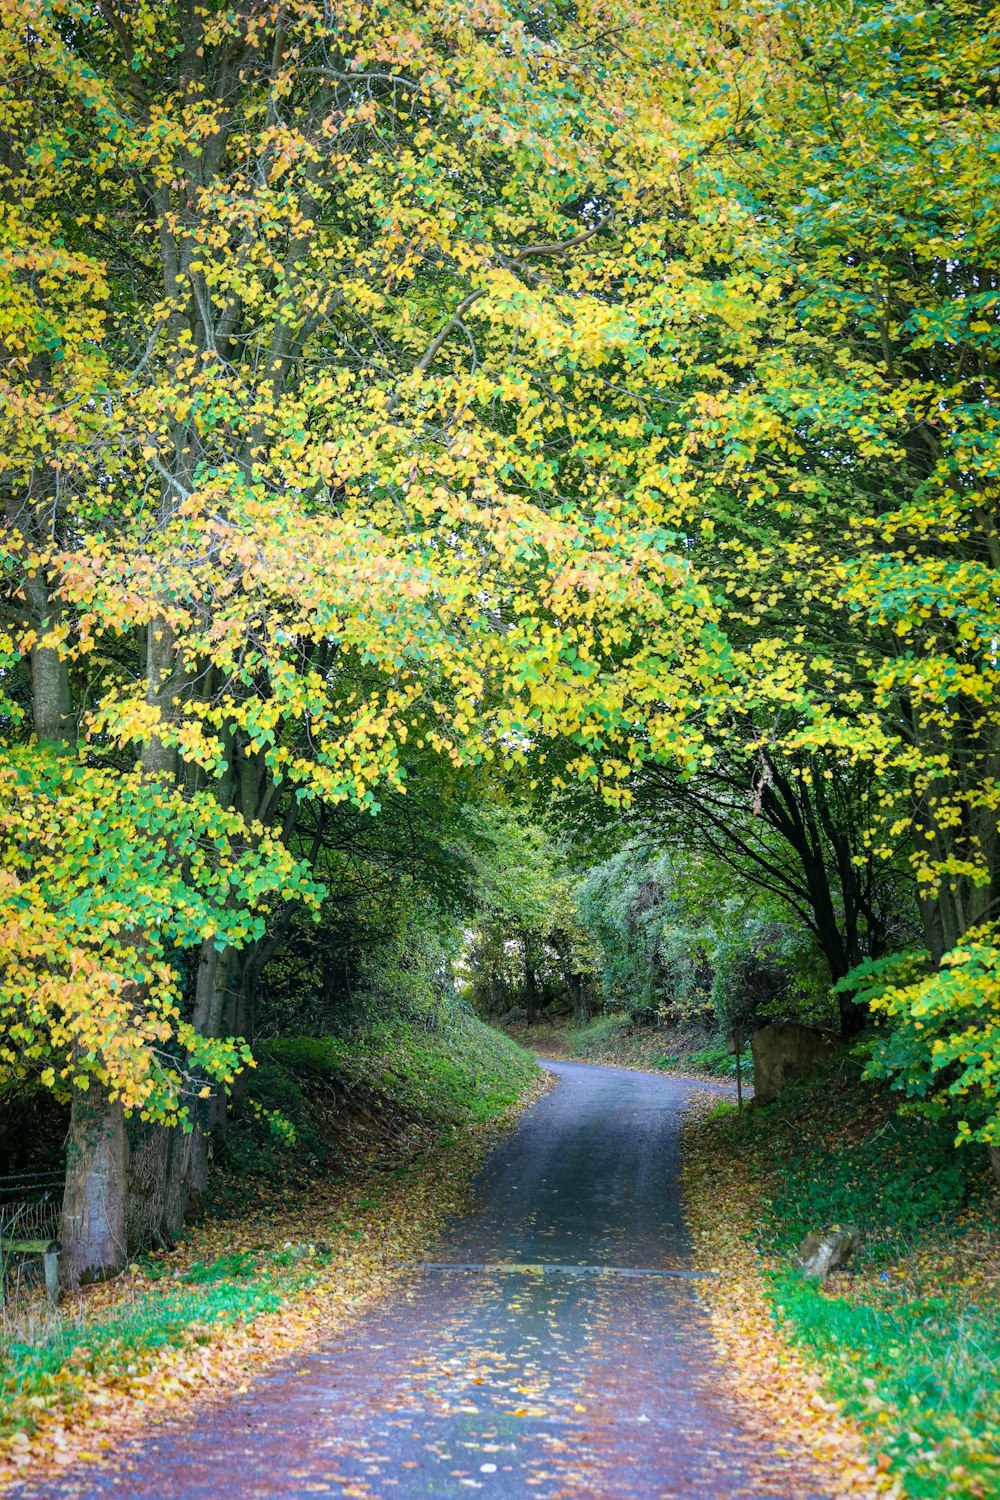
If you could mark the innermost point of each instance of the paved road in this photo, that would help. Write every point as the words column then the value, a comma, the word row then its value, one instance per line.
column 480, row 1375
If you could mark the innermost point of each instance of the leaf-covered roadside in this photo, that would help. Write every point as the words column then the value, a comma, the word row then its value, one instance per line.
column 246, row 1289
column 894, row 1359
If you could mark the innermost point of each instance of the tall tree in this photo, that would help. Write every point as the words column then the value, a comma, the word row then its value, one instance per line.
column 805, row 828
column 303, row 316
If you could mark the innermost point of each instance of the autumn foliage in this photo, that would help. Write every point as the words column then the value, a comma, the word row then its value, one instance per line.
column 606, row 388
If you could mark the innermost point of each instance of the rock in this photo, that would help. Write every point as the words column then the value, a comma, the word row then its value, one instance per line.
column 826, row 1250
column 784, row 1052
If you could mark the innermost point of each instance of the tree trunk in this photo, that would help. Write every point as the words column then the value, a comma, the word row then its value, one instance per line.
column 194, row 1155
column 578, row 991
column 530, row 983
column 995, row 1161
column 167, row 1180
column 852, row 1016
column 157, row 1188
column 94, row 1241
column 238, row 1020
column 162, row 686
column 51, row 715
column 218, row 975
column 168, row 1171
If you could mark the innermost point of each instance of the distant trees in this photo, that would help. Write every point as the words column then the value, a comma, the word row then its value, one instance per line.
column 652, row 942
column 529, row 943
column 682, row 939
column 804, row 830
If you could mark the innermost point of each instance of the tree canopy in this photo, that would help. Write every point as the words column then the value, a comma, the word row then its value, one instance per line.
column 595, row 402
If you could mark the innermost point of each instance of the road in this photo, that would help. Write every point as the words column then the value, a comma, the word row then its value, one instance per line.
column 484, row 1373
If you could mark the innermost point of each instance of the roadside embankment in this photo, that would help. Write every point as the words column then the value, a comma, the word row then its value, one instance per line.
column 347, row 1169
column 900, row 1351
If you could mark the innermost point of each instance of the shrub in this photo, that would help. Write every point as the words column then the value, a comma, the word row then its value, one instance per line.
column 940, row 1041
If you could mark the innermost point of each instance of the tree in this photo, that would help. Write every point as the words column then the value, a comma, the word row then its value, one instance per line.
column 804, row 828
column 103, row 878
column 474, row 380
column 939, row 1042
column 840, row 447
column 828, row 437
column 528, row 934
column 653, row 942
column 302, row 318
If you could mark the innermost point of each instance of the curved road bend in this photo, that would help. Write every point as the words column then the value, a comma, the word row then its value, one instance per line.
column 480, row 1376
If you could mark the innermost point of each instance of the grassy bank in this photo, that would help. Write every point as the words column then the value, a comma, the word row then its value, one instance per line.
column 907, row 1340
column 618, row 1042
column 386, row 1130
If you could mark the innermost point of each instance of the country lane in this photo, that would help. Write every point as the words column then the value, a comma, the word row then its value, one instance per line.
column 525, row 1361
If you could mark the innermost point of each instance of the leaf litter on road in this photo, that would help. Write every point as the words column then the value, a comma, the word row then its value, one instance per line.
column 237, row 1295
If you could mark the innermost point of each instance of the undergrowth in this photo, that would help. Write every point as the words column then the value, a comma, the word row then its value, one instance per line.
column 337, row 1095
column 679, row 1049
column 908, row 1336
column 716, row 1060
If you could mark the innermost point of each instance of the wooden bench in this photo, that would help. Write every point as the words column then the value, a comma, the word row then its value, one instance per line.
column 29, row 1223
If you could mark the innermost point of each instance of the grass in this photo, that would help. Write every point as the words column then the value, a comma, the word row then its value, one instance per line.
column 317, row 1102
column 59, row 1357
column 313, row 1220
column 908, row 1337
column 714, row 1060
column 920, row 1370
column 614, row 1039
column 458, row 1070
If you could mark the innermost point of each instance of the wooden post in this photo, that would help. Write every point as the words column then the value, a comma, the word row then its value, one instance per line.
column 47, row 1249
column 51, row 1262
column 738, row 1038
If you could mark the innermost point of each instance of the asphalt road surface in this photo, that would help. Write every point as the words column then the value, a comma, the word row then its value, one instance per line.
column 525, row 1361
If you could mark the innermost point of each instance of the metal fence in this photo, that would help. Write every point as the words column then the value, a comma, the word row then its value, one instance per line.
column 30, row 1212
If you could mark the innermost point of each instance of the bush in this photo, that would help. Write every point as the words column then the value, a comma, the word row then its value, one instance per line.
column 837, row 1153
column 939, row 1044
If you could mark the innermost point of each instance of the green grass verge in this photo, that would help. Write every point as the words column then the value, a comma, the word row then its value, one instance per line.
column 444, row 1071
column 909, row 1336
column 454, row 1069
column 49, row 1370
column 920, row 1371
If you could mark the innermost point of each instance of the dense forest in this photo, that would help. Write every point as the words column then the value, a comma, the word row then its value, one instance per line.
column 501, row 516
